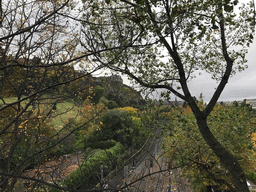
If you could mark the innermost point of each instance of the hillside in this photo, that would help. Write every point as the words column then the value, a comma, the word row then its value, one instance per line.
column 115, row 90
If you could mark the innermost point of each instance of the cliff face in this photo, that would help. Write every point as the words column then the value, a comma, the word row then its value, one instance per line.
column 115, row 90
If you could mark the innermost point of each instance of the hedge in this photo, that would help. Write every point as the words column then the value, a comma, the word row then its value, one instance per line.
column 103, row 144
column 85, row 174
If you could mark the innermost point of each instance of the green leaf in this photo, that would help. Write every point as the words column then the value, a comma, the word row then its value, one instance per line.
column 215, row 27
column 228, row 8
column 213, row 20
column 140, row 2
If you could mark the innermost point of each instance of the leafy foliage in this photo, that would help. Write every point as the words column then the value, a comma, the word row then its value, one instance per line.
column 98, row 92
column 41, row 45
column 86, row 175
column 164, row 44
column 232, row 126
column 123, row 125
column 116, row 125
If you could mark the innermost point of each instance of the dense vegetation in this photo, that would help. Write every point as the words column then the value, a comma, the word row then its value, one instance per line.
column 233, row 125
column 107, row 138
column 51, row 105
column 96, row 125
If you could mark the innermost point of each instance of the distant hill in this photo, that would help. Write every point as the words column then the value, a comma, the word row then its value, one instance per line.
column 115, row 90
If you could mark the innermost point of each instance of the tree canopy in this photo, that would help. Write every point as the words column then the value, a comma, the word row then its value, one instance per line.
column 39, row 49
column 232, row 126
column 160, row 44
column 164, row 44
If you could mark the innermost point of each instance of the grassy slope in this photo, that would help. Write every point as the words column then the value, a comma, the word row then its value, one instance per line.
column 60, row 116
column 64, row 112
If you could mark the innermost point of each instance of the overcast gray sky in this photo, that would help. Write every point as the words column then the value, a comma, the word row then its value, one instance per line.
column 241, row 86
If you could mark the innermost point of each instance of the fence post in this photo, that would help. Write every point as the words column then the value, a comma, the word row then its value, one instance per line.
column 125, row 172
column 101, row 173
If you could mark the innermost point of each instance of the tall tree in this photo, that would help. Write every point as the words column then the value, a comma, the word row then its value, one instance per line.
column 165, row 43
column 232, row 126
column 39, row 51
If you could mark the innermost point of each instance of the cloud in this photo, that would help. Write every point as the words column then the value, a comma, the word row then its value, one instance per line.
column 241, row 86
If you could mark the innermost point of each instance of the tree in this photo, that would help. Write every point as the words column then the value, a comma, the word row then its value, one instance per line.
column 232, row 126
column 98, row 93
column 163, row 44
column 39, row 54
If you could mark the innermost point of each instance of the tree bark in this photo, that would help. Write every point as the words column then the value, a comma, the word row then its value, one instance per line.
column 227, row 158
column 4, row 169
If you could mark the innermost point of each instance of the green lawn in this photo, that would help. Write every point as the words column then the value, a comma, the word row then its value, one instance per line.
column 8, row 100
column 63, row 113
column 60, row 116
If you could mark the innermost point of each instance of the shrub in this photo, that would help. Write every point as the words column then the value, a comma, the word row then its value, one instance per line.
column 109, row 103
column 116, row 125
column 103, row 144
column 103, row 100
column 130, row 110
column 87, row 173
column 98, row 93
column 112, row 105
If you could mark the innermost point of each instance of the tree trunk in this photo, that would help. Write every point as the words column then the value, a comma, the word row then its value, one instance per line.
column 3, row 169
column 228, row 159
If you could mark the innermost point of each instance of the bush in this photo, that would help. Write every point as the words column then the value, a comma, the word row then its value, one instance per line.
column 112, row 105
column 98, row 93
column 87, row 173
column 122, row 125
column 103, row 100
column 109, row 103
column 116, row 125
column 103, row 144
column 251, row 176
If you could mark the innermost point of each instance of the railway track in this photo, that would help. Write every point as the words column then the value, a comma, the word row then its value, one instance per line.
column 147, row 171
column 148, row 176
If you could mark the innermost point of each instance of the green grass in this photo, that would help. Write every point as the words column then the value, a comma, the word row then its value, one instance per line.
column 65, row 111
column 60, row 116
column 8, row 100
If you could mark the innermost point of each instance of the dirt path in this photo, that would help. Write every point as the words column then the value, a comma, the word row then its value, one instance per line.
column 150, row 174
column 56, row 168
